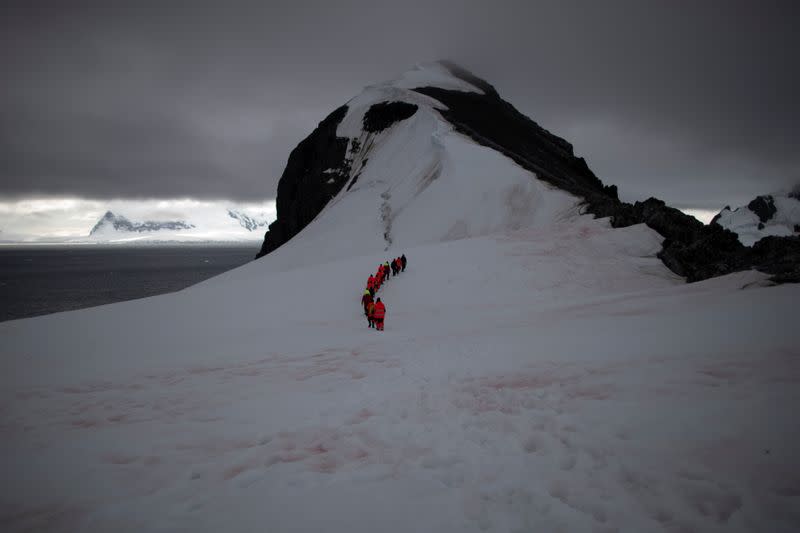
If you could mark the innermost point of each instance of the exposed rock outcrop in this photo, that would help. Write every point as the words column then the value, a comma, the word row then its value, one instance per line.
column 316, row 171
column 382, row 115
column 764, row 207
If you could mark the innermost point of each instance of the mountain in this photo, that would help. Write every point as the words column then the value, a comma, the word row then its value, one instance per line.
column 118, row 223
column 203, row 224
column 542, row 369
column 775, row 214
column 246, row 221
column 379, row 154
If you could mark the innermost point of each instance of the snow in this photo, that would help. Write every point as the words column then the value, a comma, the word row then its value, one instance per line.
column 433, row 74
column 540, row 371
column 744, row 222
column 551, row 379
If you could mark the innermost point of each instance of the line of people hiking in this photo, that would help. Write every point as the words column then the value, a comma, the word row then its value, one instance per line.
column 375, row 310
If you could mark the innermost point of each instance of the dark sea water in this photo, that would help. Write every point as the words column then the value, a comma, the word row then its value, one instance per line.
column 38, row 280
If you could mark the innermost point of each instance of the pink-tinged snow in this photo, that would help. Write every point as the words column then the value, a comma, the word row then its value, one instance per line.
column 551, row 378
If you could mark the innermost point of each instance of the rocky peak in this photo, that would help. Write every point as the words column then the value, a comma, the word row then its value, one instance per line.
column 323, row 163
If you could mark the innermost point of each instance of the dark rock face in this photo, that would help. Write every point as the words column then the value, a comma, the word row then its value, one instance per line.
column 779, row 256
column 316, row 171
column 380, row 116
column 764, row 207
column 120, row 223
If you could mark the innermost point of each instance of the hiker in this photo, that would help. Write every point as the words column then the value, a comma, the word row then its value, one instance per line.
column 371, row 282
column 379, row 313
column 386, row 269
column 371, row 315
column 366, row 299
column 397, row 265
column 403, row 263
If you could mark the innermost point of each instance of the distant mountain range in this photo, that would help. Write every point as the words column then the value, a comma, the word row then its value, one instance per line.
column 229, row 225
column 121, row 224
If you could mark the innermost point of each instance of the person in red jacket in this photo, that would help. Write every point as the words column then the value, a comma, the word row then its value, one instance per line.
column 379, row 314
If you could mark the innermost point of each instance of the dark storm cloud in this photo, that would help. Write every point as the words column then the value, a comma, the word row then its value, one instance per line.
column 695, row 104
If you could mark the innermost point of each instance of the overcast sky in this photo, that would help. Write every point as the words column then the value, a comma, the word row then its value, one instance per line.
column 696, row 104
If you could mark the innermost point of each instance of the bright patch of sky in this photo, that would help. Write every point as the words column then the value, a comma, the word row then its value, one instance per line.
column 703, row 215
column 57, row 219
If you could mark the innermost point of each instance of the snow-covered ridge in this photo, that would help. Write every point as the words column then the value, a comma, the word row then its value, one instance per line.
column 775, row 214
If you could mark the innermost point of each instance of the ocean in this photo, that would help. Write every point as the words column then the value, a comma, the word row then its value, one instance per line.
column 37, row 280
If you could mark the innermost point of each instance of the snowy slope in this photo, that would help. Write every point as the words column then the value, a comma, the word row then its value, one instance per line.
column 540, row 371
column 548, row 379
column 778, row 214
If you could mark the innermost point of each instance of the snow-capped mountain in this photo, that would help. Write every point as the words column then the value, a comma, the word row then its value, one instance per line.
column 776, row 214
column 248, row 222
column 544, row 366
column 201, row 224
column 118, row 223
column 438, row 140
